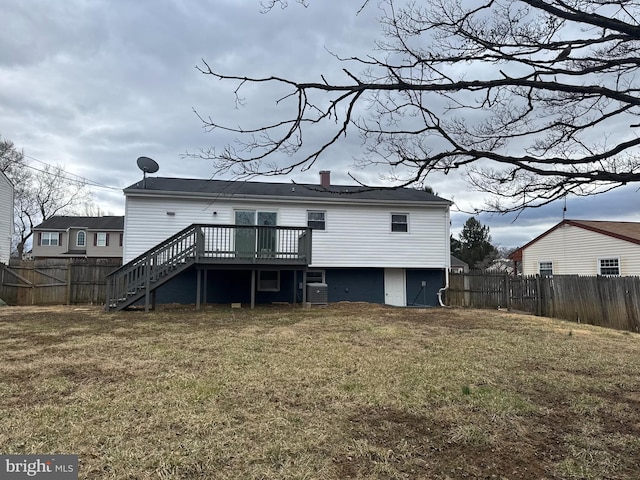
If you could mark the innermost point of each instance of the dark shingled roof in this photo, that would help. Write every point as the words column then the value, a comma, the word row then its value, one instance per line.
column 226, row 188
column 90, row 223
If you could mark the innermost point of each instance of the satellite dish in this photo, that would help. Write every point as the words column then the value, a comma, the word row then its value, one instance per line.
column 147, row 165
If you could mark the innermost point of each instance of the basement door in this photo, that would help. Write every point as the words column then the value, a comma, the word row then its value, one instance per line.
column 394, row 287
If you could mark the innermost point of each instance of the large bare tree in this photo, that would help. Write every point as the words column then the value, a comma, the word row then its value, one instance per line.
column 531, row 99
column 40, row 193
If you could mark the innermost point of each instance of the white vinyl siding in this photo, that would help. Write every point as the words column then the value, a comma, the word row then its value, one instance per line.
column 359, row 236
column 576, row 251
column 6, row 218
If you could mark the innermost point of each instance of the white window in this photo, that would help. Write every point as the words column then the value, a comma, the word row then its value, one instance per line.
column 545, row 269
column 609, row 266
column 317, row 219
column 50, row 239
column 268, row 281
column 81, row 239
column 101, row 239
column 399, row 222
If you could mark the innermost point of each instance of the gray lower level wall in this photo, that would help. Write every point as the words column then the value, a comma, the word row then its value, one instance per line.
column 344, row 284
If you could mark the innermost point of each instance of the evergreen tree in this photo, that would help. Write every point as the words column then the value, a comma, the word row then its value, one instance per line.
column 475, row 246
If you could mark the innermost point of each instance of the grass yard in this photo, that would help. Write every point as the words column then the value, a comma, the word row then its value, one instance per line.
column 348, row 391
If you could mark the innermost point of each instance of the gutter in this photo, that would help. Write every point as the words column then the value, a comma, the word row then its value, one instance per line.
column 279, row 199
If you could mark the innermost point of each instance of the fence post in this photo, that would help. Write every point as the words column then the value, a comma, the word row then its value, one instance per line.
column 538, row 297
column 69, row 267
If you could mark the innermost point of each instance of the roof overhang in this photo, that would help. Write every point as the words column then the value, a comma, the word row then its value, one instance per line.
column 289, row 199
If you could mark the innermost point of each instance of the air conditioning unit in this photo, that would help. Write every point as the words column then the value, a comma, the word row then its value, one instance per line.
column 317, row 293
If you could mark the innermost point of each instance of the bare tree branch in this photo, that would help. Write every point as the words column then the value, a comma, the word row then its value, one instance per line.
column 531, row 99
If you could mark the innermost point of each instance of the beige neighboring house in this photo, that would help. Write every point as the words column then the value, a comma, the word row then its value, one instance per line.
column 6, row 217
column 582, row 247
column 79, row 237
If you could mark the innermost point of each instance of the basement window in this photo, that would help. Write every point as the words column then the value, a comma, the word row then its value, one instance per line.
column 268, row 281
column 315, row 276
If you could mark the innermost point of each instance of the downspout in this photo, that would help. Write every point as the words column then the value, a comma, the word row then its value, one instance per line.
column 445, row 288
column 447, row 263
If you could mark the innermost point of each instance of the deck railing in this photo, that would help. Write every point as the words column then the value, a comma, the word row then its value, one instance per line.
column 207, row 244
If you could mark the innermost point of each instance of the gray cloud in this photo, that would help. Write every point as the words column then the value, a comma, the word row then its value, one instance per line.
column 93, row 85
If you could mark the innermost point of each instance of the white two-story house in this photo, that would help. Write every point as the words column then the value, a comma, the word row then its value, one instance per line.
column 241, row 242
column 6, row 217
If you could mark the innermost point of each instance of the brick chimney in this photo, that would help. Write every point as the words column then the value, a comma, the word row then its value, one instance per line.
column 325, row 178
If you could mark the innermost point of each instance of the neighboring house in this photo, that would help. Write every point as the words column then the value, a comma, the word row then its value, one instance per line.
column 582, row 247
column 267, row 242
column 458, row 266
column 85, row 237
column 6, row 217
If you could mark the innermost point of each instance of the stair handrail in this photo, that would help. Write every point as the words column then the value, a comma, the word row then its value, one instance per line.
column 155, row 248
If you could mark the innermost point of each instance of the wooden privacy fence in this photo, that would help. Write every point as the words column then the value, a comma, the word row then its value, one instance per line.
column 605, row 301
column 51, row 282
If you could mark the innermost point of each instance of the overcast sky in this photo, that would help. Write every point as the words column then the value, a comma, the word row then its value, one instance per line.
column 91, row 86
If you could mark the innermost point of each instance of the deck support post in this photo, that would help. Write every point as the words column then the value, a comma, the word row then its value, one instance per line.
column 253, row 289
column 295, row 287
column 304, row 287
column 198, row 287
column 147, row 286
column 204, row 286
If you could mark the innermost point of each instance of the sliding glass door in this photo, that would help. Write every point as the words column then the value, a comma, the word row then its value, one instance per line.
column 255, row 242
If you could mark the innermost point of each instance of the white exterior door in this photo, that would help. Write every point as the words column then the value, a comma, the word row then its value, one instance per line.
column 394, row 287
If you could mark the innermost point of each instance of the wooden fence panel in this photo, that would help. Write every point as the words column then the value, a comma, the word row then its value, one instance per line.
column 612, row 302
column 55, row 281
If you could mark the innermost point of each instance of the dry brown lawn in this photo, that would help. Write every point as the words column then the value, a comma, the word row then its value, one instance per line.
column 348, row 391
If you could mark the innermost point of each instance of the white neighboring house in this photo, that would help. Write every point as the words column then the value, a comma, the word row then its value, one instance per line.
column 377, row 245
column 6, row 217
column 582, row 247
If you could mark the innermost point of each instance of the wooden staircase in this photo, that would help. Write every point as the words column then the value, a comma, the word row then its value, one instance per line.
column 238, row 245
column 142, row 275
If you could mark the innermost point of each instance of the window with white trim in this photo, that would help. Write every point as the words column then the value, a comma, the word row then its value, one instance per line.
column 81, row 239
column 268, row 280
column 400, row 222
column 317, row 219
column 545, row 269
column 102, row 240
column 609, row 266
column 50, row 239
